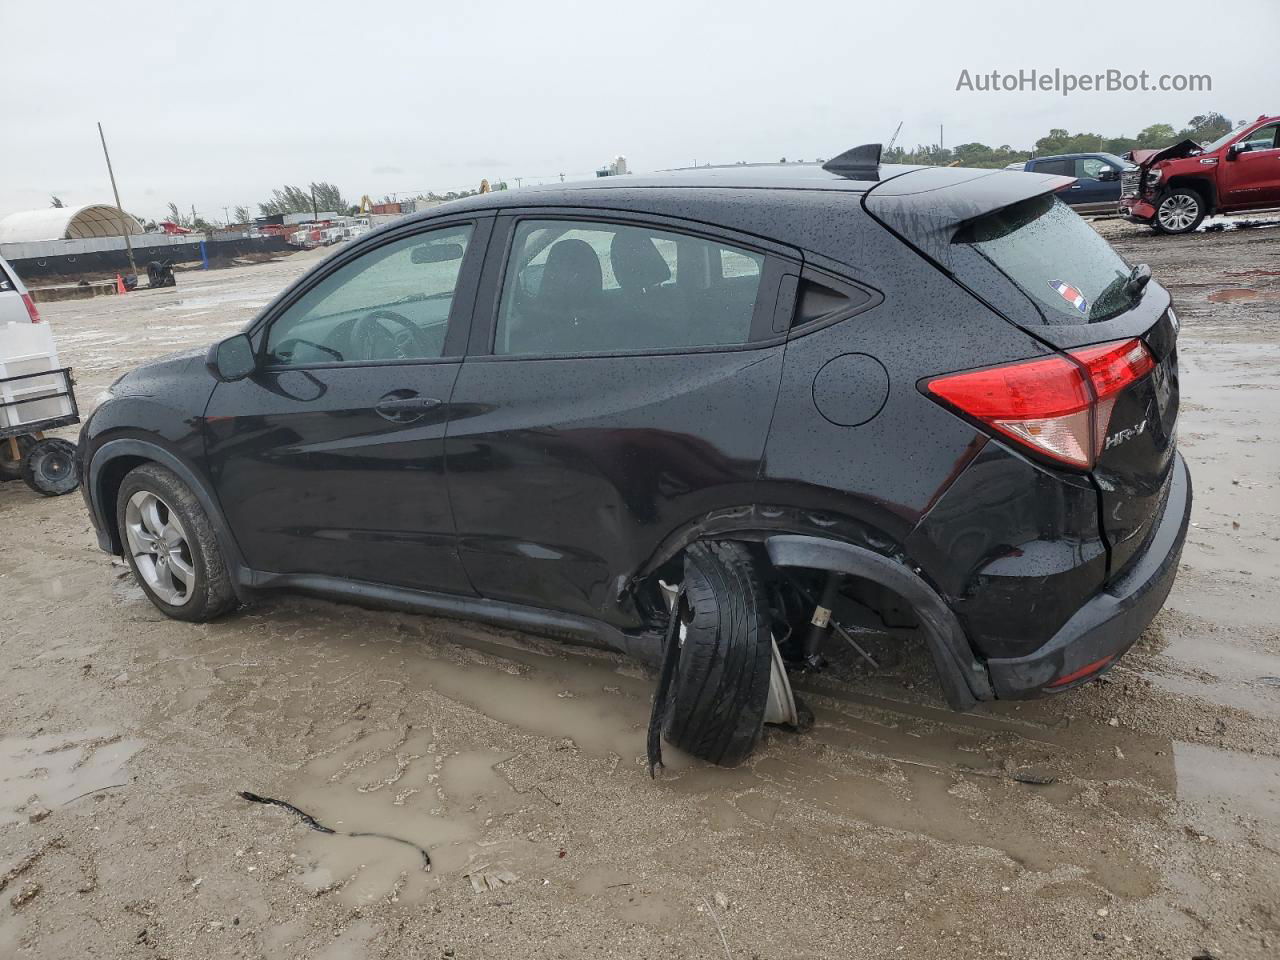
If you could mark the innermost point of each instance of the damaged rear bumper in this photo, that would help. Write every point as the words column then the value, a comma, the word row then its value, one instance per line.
column 1112, row 620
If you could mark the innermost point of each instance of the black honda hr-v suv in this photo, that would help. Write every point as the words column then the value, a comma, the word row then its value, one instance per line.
column 705, row 418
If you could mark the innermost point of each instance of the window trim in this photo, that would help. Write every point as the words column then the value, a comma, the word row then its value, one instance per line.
column 841, row 285
column 489, row 300
column 461, row 310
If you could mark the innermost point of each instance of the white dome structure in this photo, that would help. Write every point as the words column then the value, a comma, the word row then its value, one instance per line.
column 66, row 223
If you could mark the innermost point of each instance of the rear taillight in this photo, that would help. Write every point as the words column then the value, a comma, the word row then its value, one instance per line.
column 1056, row 406
column 30, row 304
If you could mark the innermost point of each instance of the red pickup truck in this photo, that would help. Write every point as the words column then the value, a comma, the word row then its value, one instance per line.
column 1175, row 188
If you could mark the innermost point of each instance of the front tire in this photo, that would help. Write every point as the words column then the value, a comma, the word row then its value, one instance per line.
column 170, row 546
column 1179, row 210
column 721, row 687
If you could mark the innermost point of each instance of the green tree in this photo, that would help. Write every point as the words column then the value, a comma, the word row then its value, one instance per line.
column 242, row 215
column 1205, row 127
column 329, row 197
column 1202, row 128
column 192, row 222
column 290, row 199
column 1157, row 135
column 56, row 201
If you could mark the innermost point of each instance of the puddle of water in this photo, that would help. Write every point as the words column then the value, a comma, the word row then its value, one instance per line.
column 1213, row 777
column 392, row 783
column 1258, row 699
column 214, row 300
column 1232, row 294
column 912, row 773
column 1222, row 660
column 897, row 765
column 52, row 770
column 275, row 938
column 1226, row 674
column 351, row 944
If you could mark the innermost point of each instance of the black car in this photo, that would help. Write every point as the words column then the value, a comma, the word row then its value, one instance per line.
column 775, row 399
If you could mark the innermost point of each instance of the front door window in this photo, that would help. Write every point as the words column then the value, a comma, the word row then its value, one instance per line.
column 391, row 304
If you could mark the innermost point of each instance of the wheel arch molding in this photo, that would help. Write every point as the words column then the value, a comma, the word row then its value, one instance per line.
column 134, row 451
column 963, row 676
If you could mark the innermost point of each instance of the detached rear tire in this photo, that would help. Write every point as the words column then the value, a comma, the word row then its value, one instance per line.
column 721, row 686
column 170, row 546
column 1179, row 210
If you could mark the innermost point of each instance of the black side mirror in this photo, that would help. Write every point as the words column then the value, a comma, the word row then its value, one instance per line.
column 1108, row 173
column 436, row 252
column 1235, row 150
column 232, row 359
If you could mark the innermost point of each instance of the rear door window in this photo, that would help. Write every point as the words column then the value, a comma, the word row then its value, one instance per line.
column 574, row 287
column 1064, row 167
column 1056, row 259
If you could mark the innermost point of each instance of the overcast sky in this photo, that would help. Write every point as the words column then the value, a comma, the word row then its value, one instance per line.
column 215, row 104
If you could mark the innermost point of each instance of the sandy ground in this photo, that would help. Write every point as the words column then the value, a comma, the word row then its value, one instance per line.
column 895, row 828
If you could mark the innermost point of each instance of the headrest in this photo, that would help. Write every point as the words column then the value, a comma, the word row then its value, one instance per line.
column 572, row 272
column 636, row 262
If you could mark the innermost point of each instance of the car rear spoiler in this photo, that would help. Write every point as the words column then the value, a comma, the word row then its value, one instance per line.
column 925, row 206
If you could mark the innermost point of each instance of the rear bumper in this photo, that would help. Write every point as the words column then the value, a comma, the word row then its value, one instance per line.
column 1112, row 620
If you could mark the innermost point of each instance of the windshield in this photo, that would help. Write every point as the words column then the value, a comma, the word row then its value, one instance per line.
column 1222, row 141
column 1119, row 162
column 1056, row 259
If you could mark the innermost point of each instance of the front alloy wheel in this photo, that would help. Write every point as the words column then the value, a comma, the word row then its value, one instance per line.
column 169, row 543
column 159, row 547
column 1179, row 211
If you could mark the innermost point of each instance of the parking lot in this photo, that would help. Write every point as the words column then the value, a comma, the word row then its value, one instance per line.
column 1136, row 817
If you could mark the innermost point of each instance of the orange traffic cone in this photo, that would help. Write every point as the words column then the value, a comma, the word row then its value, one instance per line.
column 119, row 284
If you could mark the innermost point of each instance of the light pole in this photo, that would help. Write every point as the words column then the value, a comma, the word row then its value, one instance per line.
column 124, row 228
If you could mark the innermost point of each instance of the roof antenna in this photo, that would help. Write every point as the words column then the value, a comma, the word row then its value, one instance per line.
column 860, row 163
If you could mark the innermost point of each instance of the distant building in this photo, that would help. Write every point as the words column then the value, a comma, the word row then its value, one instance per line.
column 67, row 223
column 614, row 168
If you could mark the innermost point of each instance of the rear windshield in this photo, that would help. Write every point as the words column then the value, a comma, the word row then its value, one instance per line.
column 1056, row 259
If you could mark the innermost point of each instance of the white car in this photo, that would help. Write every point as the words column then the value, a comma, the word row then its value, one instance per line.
column 16, row 305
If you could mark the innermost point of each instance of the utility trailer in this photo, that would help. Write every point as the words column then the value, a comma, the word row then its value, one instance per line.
column 36, row 395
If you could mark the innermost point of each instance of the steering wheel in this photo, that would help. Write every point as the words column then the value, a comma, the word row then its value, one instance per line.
column 368, row 336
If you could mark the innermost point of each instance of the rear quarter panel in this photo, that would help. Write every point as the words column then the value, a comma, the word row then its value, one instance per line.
column 888, row 471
